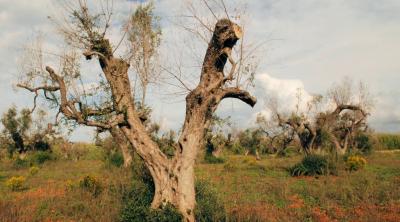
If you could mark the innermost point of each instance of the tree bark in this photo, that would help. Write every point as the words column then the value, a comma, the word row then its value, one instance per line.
column 173, row 178
column 123, row 145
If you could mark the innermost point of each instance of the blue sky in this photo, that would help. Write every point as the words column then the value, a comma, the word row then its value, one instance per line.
column 309, row 44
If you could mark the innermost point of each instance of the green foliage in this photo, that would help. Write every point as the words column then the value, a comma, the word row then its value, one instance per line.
column 91, row 184
column 209, row 207
column 167, row 213
column 230, row 166
column 237, row 148
column 209, row 158
column 250, row 140
column 313, row 165
column 138, row 200
column 137, row 203
column 355, row 162
column 323, row 139
column 16, row 126
column 33, row 170
column 114, row 159
column 364, row 143
column 16, row 183
column 41, row 157
column 286, row 152
column 389, row 141
column 41, row 145
column 20, row 163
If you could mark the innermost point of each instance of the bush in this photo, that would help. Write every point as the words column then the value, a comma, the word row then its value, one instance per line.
column 40, row 157
column 209, row 158
column 230, row 166
column 167, row 214
column 312, row 165
column 286, row 152
column 136, row 203
column 91, row 184
column 237, row 148
column 16, row 183
column 20, row 163
column 209, row 207
column 33, row 170
column 364, row 143
column 41, row 145
column 114, row 159
column 137, row 206
column 354, row 163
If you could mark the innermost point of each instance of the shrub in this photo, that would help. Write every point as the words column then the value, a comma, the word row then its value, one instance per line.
column 237, row 148
column 70, row 185
column 136, row 203
column 312, row 165
column 20, row 163
column 167, row 214
column 91, row 184
column 40, row 157
column 230, row 166
column 41, row 145
column 209, row 158
column 286, row 152
column 137, row 206
column 33, row 170
column 114, row 159
column 364, row 143
column 354, row 163
column 209, row 207
column 16, row 183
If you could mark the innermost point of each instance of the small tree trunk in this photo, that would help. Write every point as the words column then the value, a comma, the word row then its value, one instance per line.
column 123, row 145
column 257, row 155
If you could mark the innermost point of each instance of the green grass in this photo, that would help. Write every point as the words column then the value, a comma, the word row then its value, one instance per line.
column 388, row 141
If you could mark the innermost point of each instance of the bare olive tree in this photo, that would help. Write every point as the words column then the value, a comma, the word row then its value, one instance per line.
column 344, row 113
column 144, row 37
column 173, row 177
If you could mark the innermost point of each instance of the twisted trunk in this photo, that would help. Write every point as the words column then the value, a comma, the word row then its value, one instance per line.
column 173, row 178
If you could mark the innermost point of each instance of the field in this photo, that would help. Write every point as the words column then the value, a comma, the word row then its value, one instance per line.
column 250, row 190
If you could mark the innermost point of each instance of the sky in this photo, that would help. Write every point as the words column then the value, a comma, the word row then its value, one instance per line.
column 307, row 44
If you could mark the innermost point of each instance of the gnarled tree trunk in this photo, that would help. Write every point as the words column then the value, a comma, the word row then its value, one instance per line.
column 173, row 178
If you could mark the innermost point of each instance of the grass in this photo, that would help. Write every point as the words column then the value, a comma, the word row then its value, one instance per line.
column 388, row 141
column 251, row 191
column 366, row 195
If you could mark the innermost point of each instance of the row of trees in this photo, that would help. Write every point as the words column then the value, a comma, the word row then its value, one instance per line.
column 336, row 121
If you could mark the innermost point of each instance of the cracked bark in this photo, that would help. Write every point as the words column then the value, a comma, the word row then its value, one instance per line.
column 173, row 178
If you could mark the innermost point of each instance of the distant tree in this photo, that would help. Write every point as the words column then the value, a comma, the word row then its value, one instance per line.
column 345, row 113
column 23, row 132
column 215, row 137
column 16, row 127
column 144, row 37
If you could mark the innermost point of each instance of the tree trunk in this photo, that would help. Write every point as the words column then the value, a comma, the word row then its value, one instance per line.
column 123, row 145
column 174, row 178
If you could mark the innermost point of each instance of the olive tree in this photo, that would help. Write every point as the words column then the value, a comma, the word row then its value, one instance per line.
column 173, row 177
